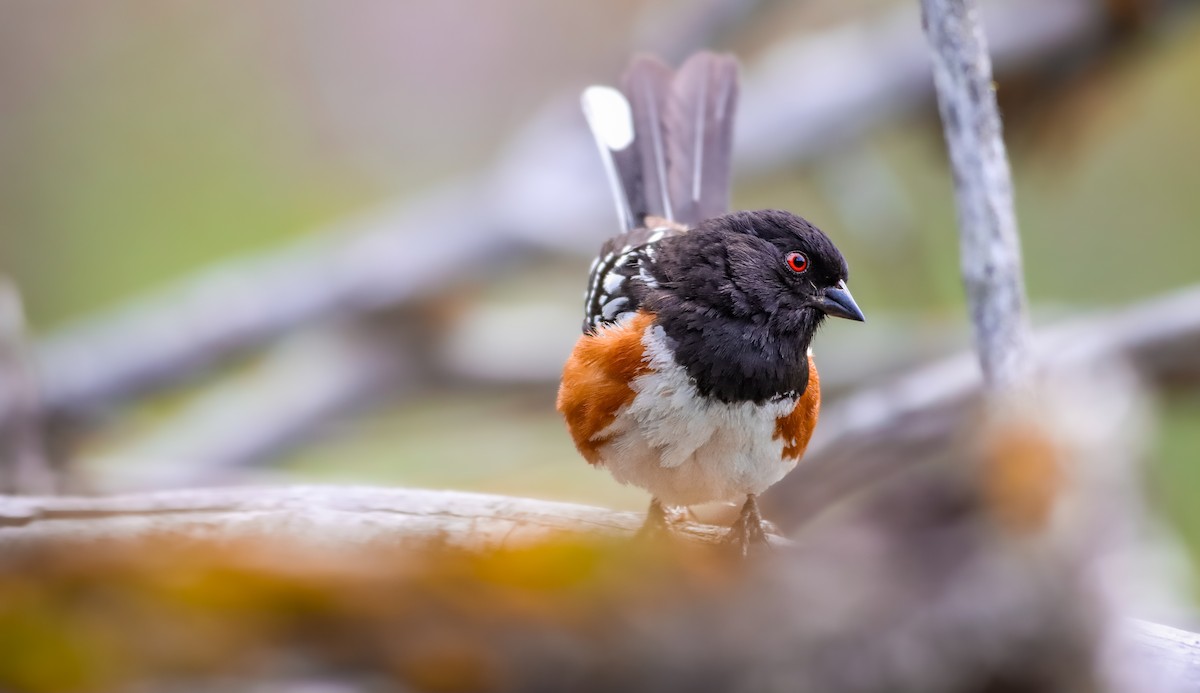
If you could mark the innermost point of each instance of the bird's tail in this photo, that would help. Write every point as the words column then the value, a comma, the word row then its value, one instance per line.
column 666, row 138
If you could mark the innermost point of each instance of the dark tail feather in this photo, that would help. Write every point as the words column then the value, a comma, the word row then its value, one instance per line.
column 647, row 85
column 678, row 164
column 698, row 123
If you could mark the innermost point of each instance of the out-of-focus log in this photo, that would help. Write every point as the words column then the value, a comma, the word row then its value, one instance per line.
column 365, row 588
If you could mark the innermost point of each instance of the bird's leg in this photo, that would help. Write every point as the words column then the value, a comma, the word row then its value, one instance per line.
column 658, row 522
column 748, row 530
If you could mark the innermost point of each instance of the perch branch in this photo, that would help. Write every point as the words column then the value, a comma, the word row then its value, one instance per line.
column 355, row 515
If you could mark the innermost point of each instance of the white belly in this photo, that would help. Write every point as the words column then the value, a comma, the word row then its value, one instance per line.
column 685, row 450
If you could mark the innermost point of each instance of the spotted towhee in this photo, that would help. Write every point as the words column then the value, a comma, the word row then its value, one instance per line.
column 693, row 378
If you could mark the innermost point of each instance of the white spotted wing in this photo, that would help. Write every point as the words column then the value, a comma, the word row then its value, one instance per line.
column 619, row 274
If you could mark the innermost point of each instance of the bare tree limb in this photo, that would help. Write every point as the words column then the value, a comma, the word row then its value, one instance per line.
column 380, row 260
column 989, row 244
column 251, row 417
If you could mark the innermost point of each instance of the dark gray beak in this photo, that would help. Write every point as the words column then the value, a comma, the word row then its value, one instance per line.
column 838, row 302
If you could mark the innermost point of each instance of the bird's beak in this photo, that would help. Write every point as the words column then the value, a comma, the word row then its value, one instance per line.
column 837, row 302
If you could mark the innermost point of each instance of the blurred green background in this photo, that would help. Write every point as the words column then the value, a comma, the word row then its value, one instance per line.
column 143, row 140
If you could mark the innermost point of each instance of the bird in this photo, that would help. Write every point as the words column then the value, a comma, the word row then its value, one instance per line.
column 694, row 377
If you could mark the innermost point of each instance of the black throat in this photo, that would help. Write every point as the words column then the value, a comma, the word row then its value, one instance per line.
column 735, row 360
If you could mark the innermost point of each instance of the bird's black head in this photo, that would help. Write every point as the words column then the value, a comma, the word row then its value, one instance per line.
column 782, row 264
column 741, row 296
column 763, row 265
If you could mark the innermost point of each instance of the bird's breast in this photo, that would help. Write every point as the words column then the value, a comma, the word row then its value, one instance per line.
column 688, row 448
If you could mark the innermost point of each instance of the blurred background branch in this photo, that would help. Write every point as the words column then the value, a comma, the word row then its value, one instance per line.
column 989, row 246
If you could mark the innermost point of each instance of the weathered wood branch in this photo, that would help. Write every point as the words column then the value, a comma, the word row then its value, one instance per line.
column 356, row 516
column 990, row 248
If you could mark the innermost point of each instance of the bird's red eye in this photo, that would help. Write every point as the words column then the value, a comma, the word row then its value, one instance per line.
column 797, row 262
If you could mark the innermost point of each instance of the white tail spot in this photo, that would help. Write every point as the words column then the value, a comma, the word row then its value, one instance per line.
column 609, row 115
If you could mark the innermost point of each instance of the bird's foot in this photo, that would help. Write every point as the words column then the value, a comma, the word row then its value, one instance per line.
column 748, row 533
column 659, row 522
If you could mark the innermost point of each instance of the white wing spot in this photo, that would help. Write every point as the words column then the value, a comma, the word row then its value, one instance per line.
column 613, row 307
